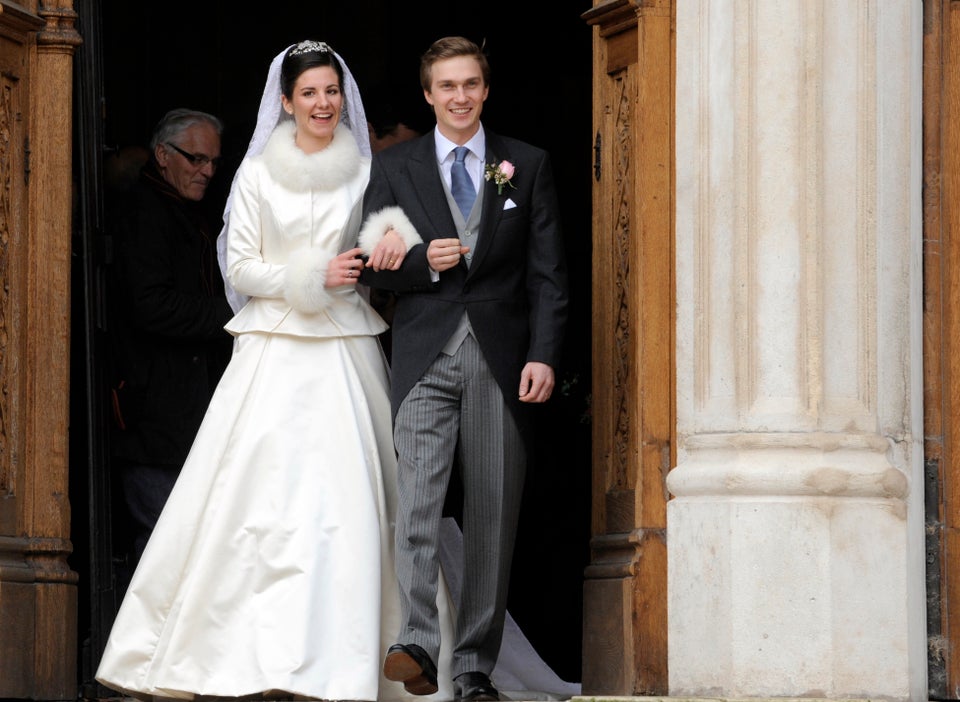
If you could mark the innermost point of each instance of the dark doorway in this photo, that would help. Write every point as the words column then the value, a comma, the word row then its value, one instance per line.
column 143, row 58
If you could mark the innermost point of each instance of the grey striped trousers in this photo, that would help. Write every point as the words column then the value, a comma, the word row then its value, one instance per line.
column 457, row 406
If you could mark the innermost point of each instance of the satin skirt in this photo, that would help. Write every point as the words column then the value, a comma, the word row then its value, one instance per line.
column 271, row 566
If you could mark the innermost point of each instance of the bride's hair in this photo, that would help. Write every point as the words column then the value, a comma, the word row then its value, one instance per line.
column 302, row 57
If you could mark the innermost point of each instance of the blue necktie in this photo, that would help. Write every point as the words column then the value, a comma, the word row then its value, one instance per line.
column 461, row 187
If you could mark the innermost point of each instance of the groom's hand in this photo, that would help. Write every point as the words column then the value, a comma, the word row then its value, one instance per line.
column 445, row 253
column 536, row 382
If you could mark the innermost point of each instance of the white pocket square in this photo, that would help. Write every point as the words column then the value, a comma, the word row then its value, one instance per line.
column 509, row 204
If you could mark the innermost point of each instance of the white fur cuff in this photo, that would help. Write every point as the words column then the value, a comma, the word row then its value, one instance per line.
column 304, row 287
column 378, row 223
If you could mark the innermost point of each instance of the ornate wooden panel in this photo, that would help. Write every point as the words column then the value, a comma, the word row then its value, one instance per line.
column 17, row 606
column 625, row 589
column 941, row 339
column 38, row 596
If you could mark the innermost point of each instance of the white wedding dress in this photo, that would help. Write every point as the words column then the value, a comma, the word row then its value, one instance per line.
column 271, row 566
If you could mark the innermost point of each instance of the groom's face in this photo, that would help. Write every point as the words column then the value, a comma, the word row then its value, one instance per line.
column 457, row 93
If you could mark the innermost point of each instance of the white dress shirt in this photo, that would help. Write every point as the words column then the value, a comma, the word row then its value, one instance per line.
column 473, row 161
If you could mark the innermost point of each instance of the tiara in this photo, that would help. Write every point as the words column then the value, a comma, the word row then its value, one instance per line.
column 306, row 47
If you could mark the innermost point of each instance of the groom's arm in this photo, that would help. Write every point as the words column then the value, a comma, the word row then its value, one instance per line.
column 546, row 270
column 383, row 211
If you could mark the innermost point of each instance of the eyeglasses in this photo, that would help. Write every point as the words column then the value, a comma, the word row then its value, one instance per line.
column 195, row 159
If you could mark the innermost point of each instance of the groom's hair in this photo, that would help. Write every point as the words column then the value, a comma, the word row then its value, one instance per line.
column 451, row 47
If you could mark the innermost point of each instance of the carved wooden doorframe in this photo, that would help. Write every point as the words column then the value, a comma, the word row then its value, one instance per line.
column 633, row 387
column 38, row 588
column 941, row 339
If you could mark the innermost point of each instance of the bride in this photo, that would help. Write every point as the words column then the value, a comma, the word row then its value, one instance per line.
column 270, row 571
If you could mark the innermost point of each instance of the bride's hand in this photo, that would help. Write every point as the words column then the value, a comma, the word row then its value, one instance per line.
column 388, row 253
column 344, row 268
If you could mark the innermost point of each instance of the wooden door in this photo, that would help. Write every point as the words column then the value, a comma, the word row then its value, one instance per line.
column 941, row 349
column 634, row 413
column 37, row 587
column 17, row 603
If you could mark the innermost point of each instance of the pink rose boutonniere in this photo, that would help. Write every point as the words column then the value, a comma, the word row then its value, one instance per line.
column 500, row 174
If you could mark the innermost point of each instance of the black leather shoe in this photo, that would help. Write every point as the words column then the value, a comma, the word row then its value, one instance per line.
column 411, row 665
column 474, row 687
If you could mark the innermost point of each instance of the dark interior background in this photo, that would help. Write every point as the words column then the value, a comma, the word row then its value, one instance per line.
column 213, row 55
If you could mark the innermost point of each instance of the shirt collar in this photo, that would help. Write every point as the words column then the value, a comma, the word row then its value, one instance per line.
column 477, row 144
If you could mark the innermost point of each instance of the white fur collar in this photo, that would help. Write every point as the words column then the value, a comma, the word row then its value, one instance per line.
column 323, row 170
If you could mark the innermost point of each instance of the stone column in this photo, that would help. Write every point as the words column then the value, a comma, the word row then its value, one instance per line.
column 795, row 531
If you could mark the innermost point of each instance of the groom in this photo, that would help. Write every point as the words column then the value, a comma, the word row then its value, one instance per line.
column 477, row 334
